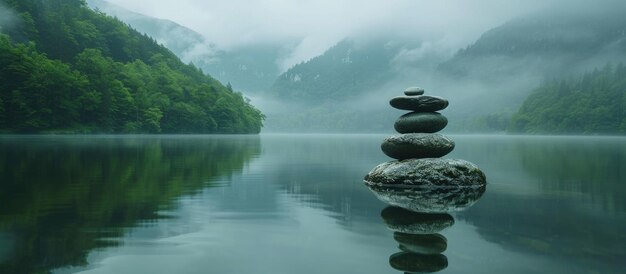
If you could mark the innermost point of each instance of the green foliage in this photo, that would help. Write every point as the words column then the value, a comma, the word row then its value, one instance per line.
column 594, row 103
column 67, row 68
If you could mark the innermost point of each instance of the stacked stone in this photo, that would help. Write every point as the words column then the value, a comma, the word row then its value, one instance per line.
column 418, row 138
column 419, row 180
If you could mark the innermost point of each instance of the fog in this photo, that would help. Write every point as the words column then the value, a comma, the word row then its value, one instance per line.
column 7, row 17
column 315, row 25
column 430, row 34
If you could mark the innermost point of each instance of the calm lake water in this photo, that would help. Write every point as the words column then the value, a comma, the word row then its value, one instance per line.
column 297, row 204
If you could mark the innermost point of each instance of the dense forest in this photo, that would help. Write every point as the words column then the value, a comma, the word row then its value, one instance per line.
column 592, row 103
column 65, row 68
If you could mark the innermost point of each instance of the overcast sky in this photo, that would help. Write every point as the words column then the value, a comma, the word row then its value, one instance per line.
column 318, row 24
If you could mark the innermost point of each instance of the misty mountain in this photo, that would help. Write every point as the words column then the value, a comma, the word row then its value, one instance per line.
column 486, row 82
column 250, row 69
column 332, row 91
column 592, row 103
column 343, row 71
column 551, row 44
column 495, row 74
column 352, row 68
column 173, row 36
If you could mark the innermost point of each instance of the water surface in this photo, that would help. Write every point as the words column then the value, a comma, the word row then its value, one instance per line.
column 297, row 204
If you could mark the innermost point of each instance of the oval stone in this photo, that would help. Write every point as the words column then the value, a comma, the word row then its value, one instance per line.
column 423, row 103
column 421, row 122
column 417, row 145
column 402, row 220
column 421, row 243
column 428, row 173
column 418, row 263
column 413, row 91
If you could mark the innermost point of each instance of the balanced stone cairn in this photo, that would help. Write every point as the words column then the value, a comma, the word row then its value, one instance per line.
column 418, row 167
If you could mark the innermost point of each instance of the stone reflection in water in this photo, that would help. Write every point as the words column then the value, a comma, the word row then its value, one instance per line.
column 419, row 241
column 423, row 244
column 401, row 220
column 430, row 199
column 418, row 263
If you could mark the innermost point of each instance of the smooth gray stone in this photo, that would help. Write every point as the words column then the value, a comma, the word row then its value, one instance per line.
column 403, row 220
column 417, row 145
column 413, row 91
column 418, row 263
column 421, row 243
column 423, row 103
column 426, row 174
column 421, row 122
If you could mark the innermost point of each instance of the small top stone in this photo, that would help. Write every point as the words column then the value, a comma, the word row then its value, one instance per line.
column 413, row 91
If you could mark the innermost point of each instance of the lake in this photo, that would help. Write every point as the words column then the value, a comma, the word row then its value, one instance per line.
column 297, row 204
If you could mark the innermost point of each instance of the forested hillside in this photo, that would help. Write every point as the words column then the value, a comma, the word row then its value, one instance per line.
column 66, row 68
column 250, row 68
column 594, row 103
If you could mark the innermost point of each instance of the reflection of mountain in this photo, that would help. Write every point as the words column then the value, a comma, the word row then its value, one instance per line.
column 564, row 201
column 594, row 166
column 313, row 169
column 83, row 193
column 586, row 168
column 552, row 227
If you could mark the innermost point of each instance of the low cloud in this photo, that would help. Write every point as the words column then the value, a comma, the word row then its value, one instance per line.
column 7, row 17
column 315, row 25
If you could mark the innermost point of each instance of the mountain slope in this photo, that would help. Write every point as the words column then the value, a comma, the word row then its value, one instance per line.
column 173, row 36
column 343, row 70
column 66, row 68
column 485, row 83
column 494, row 75
column 553, row 44
column 251, row 68
column 592, row 103
column 346, row 88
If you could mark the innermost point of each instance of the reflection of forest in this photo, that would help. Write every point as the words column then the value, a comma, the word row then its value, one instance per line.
column 577, row 214
column 556, row 196
column 588, row 166
column 64, row 196
column 327, row 171
column 590, row 242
